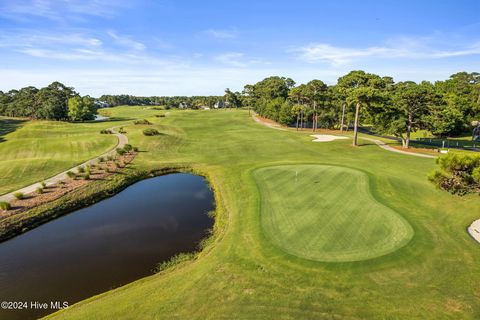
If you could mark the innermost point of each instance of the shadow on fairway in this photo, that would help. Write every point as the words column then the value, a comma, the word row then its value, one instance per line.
column 9, row 125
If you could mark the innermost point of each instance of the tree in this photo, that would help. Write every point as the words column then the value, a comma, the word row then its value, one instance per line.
column 404, row 110
column 360, row 89
column 81, row 109
column 316, row 92
column 232, row 99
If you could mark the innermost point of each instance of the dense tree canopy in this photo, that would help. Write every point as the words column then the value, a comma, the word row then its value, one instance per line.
column 445, row 108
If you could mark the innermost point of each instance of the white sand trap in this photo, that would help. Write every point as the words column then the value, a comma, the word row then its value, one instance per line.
column 325, row 137
column 474, row 230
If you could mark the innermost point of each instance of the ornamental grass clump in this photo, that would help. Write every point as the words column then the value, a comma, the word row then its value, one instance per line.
column 5, row 205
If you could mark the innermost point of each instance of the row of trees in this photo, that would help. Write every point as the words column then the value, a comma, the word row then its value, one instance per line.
column 171, row 102
column 54, row 102
column 445, row 108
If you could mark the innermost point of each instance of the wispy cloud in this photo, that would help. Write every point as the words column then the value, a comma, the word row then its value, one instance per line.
column 108, row 47
column 59, row 10
column 397, row 48
column 221, row 33
column 126, row 41
column 233, row 59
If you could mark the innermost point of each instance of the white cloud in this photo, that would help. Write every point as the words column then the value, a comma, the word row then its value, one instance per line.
column 222, row 34
column 126, row 41
column 59, row 10
column 397, row 48
column 234, row 59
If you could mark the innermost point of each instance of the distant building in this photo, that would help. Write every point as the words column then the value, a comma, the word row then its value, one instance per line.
column 219, row 104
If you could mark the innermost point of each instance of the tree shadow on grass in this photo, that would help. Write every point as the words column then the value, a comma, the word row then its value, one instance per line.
column 9, row 125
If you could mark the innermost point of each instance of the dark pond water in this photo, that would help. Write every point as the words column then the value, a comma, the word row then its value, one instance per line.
column 109, row 244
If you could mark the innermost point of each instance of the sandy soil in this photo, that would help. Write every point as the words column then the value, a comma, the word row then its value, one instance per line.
column 474, row 230
column 326, row 137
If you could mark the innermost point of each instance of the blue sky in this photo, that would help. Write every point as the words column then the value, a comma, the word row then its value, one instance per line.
column 202, row 47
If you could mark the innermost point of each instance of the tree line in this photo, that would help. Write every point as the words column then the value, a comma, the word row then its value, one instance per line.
column 446, row 108
column 53, row 102
column 166, row 101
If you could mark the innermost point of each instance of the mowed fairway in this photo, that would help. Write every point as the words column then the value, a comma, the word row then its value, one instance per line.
column 327, row 213
column 35, row 150
column 243, row 275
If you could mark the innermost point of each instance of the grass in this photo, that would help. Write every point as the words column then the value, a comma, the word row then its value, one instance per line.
column 327, row 213
column 243, row 275
column 37, row 150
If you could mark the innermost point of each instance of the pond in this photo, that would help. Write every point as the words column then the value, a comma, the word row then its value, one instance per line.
column 106, row 245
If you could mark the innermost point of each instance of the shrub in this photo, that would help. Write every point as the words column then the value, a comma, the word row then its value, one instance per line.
column 458, row 173
column 144, row 121
column 128, row 147
column 39, row 190
column 101, row 159
column 120, row 151
column 121, row 130
column 71, row 174
column 135, row 149
column 106, row 131
column 19, row 195
column 109, row 158
column 160, row 115
column 81, row 169
column 86, row 176
column 151, row 132
column 43, row 184
column 5, row 205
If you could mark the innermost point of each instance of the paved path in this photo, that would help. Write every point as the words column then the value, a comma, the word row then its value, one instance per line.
column 122, row 141
column 385, row 146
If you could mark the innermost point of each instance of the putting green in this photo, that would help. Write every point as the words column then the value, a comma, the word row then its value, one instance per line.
column 327, row 213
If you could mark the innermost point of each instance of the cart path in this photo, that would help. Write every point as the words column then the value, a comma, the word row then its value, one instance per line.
column 122, row 141
column 474, row 230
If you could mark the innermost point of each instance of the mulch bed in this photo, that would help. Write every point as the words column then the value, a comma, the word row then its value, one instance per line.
column 99, row 171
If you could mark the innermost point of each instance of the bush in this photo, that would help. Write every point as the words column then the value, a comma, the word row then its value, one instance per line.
column 128, row 147
column 43, row 184
column 5, row 205
column 19, row 195
column 109, row 158
column 101, row 159
column 121, row 130
column 39, row 190
column 160, row 115
column 106, row 131
column 71, row 174
column 120, row 151
column 144, row 121
column 458, row 173
column 135, row 149
column 151, row 132
column 86, row 176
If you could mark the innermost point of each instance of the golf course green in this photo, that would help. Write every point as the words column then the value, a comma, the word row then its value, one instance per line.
column 303, row 230
column 327, row 213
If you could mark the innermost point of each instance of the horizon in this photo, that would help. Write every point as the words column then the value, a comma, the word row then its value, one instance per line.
column 165, row 48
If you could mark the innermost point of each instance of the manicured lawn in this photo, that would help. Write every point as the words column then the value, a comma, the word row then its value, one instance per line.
column 244, row 275
column 327, row 213
column 35, row 150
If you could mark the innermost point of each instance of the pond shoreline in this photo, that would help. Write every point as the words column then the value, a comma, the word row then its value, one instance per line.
column 82, row 197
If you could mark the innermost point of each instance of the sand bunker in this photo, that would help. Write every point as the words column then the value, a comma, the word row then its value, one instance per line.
column 325, row 137
column 474, row 230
